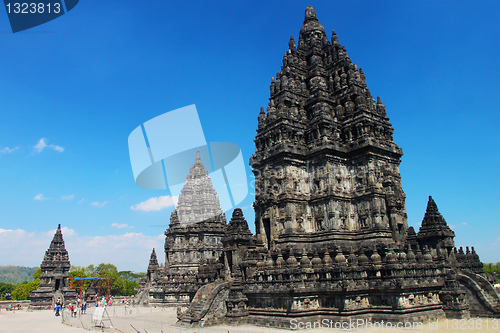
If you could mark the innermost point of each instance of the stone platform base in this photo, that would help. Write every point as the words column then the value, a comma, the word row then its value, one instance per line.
column 323, row 319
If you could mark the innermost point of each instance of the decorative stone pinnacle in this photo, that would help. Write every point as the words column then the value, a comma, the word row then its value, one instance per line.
column 432, row 215
column 291, row 44
column 310, row 14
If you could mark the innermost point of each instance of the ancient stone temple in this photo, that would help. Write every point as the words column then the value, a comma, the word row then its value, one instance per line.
column 326, row 165
column 54, row 279
column 193, row 242
column 332, row 238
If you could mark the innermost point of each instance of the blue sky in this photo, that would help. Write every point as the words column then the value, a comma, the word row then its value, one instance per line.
column 72, row 90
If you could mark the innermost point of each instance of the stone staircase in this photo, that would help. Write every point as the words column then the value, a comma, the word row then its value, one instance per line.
column 206, row 302
column 485, row 301
column 141, row 297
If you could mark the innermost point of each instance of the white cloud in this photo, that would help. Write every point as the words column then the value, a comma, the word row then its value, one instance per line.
column 82, row 250
column 68, row 197
column 79, row 202
column 7, row 150
column 100, row 204
column 155, row 203
column 120, row 225
column 42, row 144
column 40, row 197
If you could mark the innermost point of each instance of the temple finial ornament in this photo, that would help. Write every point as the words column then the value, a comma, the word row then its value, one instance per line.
column 310, row 13
column 291, row 44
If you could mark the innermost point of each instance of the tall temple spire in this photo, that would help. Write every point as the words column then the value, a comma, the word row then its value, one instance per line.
column 320, row 107
column 198, row 200
column 57, row 250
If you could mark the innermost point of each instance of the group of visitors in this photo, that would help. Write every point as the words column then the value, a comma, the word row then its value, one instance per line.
column 73, row 308
column 11, row 307
column 82, row 304
column 105, row 301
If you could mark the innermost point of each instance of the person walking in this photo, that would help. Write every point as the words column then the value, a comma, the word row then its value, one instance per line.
column 57, row 309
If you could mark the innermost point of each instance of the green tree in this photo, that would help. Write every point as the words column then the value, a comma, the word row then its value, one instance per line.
column 130, row 276
column 491, row 268
column 6, row 288
column 121, row 283
column 23, row 290
column 37, row 273
column 79, row 271
column 109, row 268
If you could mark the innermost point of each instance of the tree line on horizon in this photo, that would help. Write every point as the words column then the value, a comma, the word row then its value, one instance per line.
column 122, row 283
column 16, row 274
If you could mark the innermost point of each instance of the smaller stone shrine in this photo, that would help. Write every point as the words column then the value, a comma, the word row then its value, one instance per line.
column 54, row 279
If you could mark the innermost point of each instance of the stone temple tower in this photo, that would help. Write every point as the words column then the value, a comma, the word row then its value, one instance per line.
column 54, row 279
column 193, row 241
column 325, row 163
column 197, row 224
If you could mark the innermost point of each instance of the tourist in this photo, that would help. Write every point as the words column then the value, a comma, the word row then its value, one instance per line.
column 57, row 309
column 84, row 307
